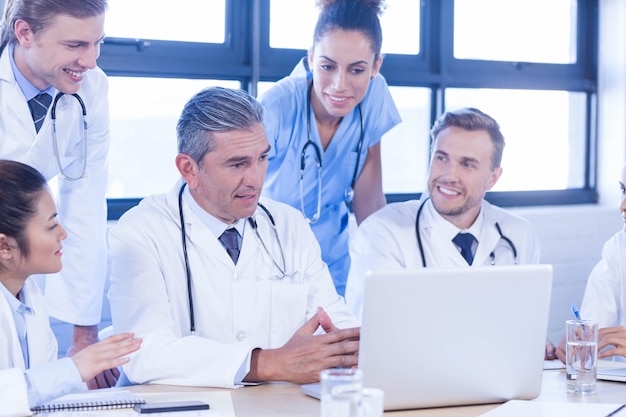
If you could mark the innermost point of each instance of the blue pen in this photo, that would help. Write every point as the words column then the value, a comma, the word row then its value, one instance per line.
column 576, row 314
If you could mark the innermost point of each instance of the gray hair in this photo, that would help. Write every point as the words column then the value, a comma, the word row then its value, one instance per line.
column 472, row 119
column 39, row 13
column 214, row 109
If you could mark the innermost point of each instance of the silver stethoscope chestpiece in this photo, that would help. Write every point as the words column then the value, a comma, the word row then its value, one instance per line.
column 348, row 195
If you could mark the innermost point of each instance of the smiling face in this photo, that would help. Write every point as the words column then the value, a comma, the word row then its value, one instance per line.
column 229, row 181
column 61, row 53
column 44, row 235
column 343, row 63
column 461, row 173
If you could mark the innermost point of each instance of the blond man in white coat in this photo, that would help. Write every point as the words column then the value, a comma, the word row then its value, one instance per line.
column 215, row 313
column 465, row 164
column 50, row 47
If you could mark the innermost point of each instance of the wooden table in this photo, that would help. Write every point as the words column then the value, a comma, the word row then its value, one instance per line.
column 284, row 399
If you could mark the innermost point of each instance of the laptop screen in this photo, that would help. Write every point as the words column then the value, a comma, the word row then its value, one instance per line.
column 440, row 337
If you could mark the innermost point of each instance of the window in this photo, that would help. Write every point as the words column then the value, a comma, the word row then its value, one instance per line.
column 514, row 31
column 189, row 21
column 400, row 23
column 529, row 63
column 144, row 113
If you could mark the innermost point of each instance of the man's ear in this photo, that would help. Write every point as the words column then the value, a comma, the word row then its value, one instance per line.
column 24, row 34
column 493, row 178
column 188, row 169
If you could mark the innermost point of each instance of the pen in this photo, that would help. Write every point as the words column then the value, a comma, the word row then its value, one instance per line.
column 576, row 314
column 614, row 412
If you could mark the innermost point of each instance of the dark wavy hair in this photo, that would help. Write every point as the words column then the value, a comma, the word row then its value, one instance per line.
column 20, row 189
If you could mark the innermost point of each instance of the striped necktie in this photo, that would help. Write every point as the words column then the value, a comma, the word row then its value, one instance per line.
column 230, row 241
column 38, row 106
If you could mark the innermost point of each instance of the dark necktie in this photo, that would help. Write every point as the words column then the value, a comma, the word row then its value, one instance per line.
column 38, row 106
column 464, row 241
column 230, row 240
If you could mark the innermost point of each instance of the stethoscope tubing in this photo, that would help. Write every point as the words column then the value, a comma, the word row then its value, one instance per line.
column 348, row 193
column 53, row 118
column 253, row 224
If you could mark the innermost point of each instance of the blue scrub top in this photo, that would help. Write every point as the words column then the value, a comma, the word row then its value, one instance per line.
column 285, row 121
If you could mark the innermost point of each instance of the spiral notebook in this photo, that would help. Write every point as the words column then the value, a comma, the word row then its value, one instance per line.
column 101, row 399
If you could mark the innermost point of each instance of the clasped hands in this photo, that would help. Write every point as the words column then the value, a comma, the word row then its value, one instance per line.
column 305, row 354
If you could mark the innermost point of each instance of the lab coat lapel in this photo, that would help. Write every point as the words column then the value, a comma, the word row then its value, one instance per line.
column 489, row 236
column 13, row 103
column 42, row 346
column 200, row 238
column 10, row 350
column 438, row 247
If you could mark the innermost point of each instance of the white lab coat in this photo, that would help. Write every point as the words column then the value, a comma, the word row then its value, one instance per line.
column 76, row 295
column 387, row 240
column 236, row 307
column 605, row 295
column 42, row 348
column 13, row 393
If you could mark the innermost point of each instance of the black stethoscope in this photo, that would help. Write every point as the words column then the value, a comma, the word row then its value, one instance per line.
column 349, row 192
column 53, row 117
column 254, row 225
column 492, row 255
column 53, row 112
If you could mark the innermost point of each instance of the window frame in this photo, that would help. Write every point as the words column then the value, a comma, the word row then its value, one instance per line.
column 245, row 56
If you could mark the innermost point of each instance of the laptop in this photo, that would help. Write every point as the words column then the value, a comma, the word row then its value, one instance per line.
column 443, row 337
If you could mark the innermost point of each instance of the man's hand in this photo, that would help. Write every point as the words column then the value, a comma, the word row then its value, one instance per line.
column 550, row 351
column 83, row 337
column 560, row 350
column 101, row 357
column 608, row 336
column 302, row 358
column 612, row 336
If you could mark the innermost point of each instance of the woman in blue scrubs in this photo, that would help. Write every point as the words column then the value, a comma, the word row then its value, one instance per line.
column 332, row 110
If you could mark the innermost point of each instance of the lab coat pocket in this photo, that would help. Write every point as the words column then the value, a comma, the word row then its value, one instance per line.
column 288, row 310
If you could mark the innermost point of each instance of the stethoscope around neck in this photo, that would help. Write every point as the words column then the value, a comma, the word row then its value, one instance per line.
column 53, row 117
column 349, row 192
column 492, row 255
column 253, row 223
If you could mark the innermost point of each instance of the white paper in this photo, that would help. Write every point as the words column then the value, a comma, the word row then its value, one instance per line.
column 521, row 408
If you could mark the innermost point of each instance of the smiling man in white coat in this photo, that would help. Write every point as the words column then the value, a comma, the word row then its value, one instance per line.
column 465, row 164
column 219, row 312
column 48, row 48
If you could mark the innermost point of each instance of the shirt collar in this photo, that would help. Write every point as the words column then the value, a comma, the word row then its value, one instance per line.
column 17, row 305
column 216, row 226
column 448, row 229
column 28, row 89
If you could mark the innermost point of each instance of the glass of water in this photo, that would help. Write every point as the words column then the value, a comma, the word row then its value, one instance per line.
column 342, row 390
column 581, row 353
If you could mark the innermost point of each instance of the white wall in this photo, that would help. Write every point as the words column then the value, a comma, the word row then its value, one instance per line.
column 571, row 241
